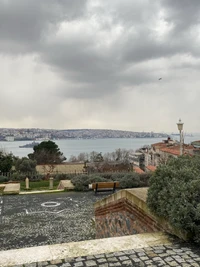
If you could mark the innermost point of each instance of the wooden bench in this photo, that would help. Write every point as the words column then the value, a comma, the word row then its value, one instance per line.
column 105, row 186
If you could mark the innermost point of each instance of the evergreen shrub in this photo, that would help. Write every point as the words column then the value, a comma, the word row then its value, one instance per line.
column 130, row 180
column 81, row 182
column 3, row 179
column 174, row 194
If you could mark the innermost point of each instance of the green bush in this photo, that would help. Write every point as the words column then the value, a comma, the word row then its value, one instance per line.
column 118, row 176
column 18, row 177
column 174, row 194
column 81, row 182
column 144, row 179
column 126, row 179
column 130, row 180
column 4, row 179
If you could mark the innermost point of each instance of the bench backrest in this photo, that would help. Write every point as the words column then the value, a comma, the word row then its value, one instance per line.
column 105, row 185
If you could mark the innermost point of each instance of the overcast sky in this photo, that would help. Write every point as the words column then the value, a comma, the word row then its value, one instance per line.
column 71, row 64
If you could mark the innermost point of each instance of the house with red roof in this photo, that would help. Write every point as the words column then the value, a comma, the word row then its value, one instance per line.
column 160, row 152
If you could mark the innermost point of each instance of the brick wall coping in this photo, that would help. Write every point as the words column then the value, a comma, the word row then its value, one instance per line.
column 137, row 196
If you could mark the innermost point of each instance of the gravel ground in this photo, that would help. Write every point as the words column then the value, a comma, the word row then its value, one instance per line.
column 42, row 219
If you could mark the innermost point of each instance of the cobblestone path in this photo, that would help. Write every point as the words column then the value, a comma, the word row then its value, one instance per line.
column 173, row 255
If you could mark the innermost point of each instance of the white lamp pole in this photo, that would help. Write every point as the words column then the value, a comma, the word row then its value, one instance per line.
column 180, row 128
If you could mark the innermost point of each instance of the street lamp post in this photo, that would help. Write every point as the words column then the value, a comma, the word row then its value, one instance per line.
column 180, row 128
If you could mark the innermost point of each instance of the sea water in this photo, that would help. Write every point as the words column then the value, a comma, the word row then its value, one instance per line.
column 76, row 146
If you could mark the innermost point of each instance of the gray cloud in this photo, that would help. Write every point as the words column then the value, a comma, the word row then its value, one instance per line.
column 107, row 54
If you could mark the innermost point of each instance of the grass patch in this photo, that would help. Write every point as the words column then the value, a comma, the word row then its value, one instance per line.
column 38, row 185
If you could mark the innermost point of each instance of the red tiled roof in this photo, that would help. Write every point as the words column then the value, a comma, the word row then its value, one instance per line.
column 138, row 170
column 159, row 144
column 172, row 150
column 151, row 168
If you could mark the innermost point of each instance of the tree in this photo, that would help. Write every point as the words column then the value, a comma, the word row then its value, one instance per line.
column 25, row 165
column 6, row 161
column 47, row 152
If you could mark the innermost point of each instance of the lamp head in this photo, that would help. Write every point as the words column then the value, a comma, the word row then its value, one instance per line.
column 180, row 125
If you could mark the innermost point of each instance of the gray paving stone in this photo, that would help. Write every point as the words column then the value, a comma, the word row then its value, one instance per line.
column 148, row 248
column 195, row 264
column 171, row 252
column 101, row 260
column 114, row 264
column 104, row 265
column 180, row 260
column 90, row 257
column 119, row 254
column 67, row 264
column 168, row 259
column 141, row 254
column 127, row 263
column 112, row 259
column 102, row 255
column 78, row 264
column 68, row 259
column 157, row 259
column 90, row 263
column 178, row 250
column 190, row 260
column 124, row 258
column 173, row 263
column 135, row 258
column 51, row 265
column 148, row 262
column 159, row 247
column 144, row 258
column 158, row 251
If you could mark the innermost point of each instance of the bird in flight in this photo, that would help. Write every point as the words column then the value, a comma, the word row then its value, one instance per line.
column 160, row 79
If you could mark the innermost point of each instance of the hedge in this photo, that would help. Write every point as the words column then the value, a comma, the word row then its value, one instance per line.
column 174, row 194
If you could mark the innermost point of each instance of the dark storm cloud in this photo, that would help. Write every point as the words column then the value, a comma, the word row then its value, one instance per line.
column 182, row 13
column 24, row 23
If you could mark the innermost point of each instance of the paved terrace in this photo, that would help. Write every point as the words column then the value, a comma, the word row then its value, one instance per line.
column 43, row 219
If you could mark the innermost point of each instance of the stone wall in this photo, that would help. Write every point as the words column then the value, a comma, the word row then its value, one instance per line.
column 122, row 217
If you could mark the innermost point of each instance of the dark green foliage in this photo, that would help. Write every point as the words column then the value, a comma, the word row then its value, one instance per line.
column 17, row 176
column 174, row 194
column 81, row 182
column 118, row 176
column 144, row 179
column 63, row 176
column 25, row 165
column 47, row 152
column 130, row 180
column 127, row 180
column 3, row 179
column 6, row 162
